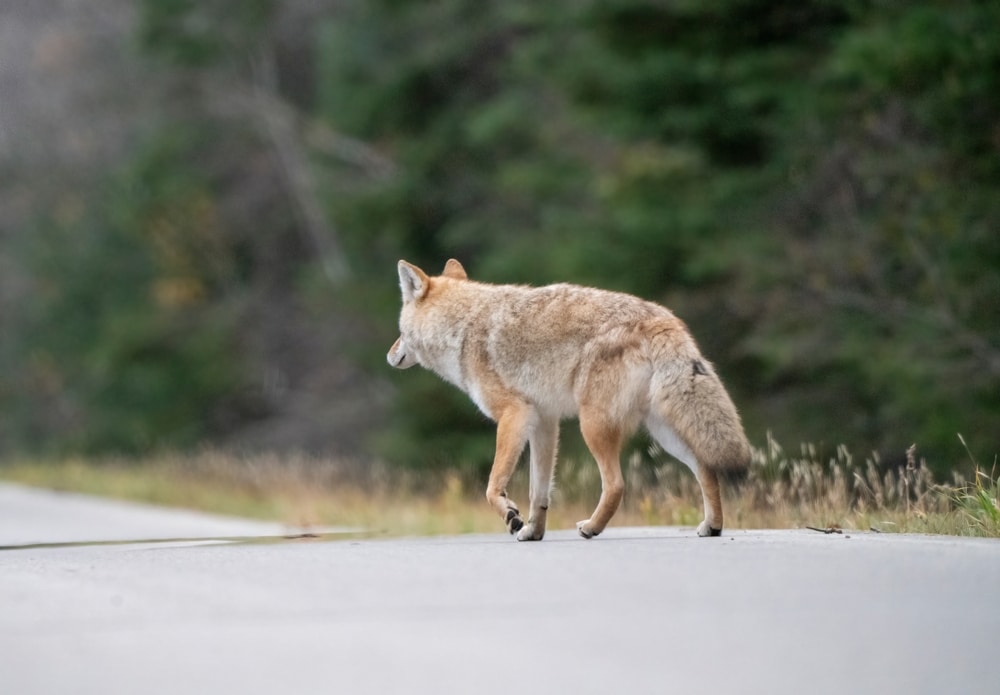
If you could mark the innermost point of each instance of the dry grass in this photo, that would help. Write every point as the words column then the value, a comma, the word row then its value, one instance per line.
column 780, row 491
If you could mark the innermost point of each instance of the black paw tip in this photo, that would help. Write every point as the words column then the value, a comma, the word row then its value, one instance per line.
column 514, row 522
column 714, row 531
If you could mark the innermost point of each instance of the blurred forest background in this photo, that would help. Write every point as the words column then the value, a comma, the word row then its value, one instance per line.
column 202, row 203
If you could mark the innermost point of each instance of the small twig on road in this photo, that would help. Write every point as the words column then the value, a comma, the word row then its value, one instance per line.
column 830, row 529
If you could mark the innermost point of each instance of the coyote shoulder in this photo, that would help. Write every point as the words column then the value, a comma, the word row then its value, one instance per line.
column 530, row 356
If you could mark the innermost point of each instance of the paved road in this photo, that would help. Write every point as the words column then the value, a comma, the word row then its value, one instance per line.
column 31, row 516
column 650, row 610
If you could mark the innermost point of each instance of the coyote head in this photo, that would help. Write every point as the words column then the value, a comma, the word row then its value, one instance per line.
column 415, row 285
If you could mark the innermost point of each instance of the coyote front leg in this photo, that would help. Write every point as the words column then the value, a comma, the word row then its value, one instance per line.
column 513, row 425
column 543, row 440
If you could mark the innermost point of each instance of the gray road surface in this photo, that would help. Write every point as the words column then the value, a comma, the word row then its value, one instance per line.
column 32, row 516
column 650, row 610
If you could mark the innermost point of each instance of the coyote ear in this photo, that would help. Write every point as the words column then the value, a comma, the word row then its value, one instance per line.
column 454, row 269
column 412, row 281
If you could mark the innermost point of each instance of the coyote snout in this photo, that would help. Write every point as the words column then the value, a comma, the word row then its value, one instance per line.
column 530, row 356
column 398, row 356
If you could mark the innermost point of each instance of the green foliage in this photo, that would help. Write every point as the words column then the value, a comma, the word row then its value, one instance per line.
column 979, row 503
column 887, row 239
column 129, row 332
column 196, row 33
column 810, row 185
column 945, row 60
column 978, row 500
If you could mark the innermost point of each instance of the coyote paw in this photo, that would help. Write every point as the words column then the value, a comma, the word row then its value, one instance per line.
column 514, row 521
column 531, row 532
column 586, row 529
column 705, row 529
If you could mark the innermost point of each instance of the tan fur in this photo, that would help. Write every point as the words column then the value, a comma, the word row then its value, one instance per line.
column 530, row 356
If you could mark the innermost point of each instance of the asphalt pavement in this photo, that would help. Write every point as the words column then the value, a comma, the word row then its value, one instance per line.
column 639, row 610
column 31, row 516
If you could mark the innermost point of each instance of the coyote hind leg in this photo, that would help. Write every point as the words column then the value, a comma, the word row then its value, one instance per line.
column 707, row 478
column 709, row 481
column 605, row 442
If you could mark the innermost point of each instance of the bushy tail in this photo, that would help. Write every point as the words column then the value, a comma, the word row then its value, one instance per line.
column 689, row 397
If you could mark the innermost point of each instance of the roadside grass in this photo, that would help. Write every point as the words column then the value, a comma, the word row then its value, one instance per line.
column 781, row 490
column 978, row 500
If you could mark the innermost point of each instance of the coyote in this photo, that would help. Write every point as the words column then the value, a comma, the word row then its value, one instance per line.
column 530, row 356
